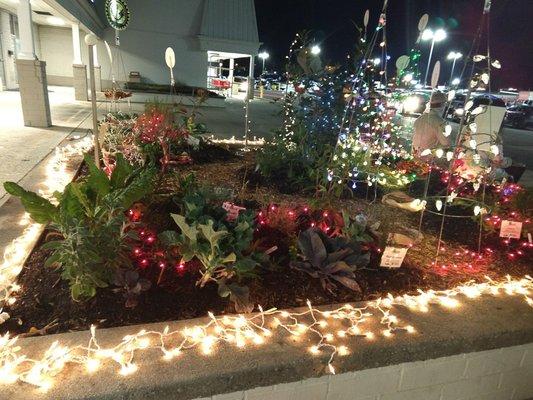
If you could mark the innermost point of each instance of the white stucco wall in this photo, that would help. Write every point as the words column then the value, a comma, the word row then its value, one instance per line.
column 142, row 46
column 56, row 50
column 156, row 25
column 499, row 374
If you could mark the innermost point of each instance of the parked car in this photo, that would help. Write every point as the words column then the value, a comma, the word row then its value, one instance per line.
column 269, row 81
column 520, row 116
column 456, row 106
column 242, row 82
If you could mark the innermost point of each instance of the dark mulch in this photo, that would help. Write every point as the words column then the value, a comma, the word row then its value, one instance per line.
column 45, row 305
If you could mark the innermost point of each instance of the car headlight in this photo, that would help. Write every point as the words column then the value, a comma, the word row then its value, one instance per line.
column 411, row 104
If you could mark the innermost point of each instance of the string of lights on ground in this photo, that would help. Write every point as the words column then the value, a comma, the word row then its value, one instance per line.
column 328, row 331
column 56, row 178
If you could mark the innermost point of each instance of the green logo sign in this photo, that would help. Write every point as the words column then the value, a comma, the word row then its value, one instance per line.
column 117, row 14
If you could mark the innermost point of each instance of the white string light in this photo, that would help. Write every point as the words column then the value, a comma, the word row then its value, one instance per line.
column 327, row 329
column 15, row 254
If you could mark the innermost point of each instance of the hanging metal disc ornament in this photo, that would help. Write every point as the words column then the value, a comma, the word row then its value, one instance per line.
column 170, row 59
column 423, row 22
column 366, row 18
column 117, row 14
column 402, row 62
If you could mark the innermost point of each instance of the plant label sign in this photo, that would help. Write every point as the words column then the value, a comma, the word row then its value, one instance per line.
column 393, row 257
column 511, row 229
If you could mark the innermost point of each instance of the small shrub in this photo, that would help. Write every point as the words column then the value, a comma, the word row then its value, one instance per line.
column 332, row 260
column 90, row 216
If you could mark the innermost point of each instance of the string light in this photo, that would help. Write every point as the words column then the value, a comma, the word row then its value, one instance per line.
column 255, row 142
column 328, row 329
column 57, row 177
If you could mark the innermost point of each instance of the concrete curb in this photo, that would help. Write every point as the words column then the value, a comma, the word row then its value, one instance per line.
column 142, row 97
column 477, row 325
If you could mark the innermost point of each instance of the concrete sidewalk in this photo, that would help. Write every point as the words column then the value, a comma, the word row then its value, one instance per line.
column 23, row 148
column 264, row 116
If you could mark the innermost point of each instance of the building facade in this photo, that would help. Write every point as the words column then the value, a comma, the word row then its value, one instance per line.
column 51, row 32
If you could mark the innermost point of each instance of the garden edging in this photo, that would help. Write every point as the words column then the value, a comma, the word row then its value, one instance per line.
column 147, row 97
column 18, row 234
column 439, row 333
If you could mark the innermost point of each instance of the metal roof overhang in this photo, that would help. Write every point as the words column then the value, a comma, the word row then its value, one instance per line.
column 244, row 49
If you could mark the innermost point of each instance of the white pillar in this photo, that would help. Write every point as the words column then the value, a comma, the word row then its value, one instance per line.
column 232, row 89
column 76, row 44
column 231, row 69
column 251, row 79
column 95, row 56
column 27, row 47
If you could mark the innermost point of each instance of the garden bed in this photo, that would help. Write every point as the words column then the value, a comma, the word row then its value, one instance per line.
column 44, row 304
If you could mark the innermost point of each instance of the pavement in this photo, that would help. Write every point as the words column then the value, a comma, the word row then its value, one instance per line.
column 264, row 116
column 23, row 148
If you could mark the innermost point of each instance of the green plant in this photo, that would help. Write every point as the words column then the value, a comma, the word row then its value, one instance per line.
column 355, row 229
column 131, row 285
column 292, row 161
column 91, row 220
column 221, row 253
column 330, row 259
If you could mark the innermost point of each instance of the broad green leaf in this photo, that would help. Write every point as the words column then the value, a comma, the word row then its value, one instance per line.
column 189, row 231
column 242, row 226
column 223, row 289
column 168, row 238
column 230, row 258
column 82, row 198
column 76, row 291
column 70, row 205
column 39, row 208
column 240, row 295
column 54, row 258
column 54, row 244
column 97, row 180
column 211, row 235
column 121, row 172
column 140, row 187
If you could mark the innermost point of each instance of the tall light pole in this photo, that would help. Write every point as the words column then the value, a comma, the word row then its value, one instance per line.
column 454, row 55
column 263, row 56
column 437, row 36
column 315, row 50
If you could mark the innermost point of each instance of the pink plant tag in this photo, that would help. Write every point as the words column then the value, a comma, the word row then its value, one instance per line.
column 233, row 210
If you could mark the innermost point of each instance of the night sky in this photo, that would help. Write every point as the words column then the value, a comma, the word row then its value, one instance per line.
column 333, row 24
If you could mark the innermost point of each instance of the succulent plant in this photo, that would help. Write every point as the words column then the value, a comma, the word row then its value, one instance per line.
column 132, row 286
column 332, row 260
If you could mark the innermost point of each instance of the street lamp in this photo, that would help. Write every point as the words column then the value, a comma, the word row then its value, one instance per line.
column 438, row 36
column 263, row 56
column 454, row 56
column 315, row 50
